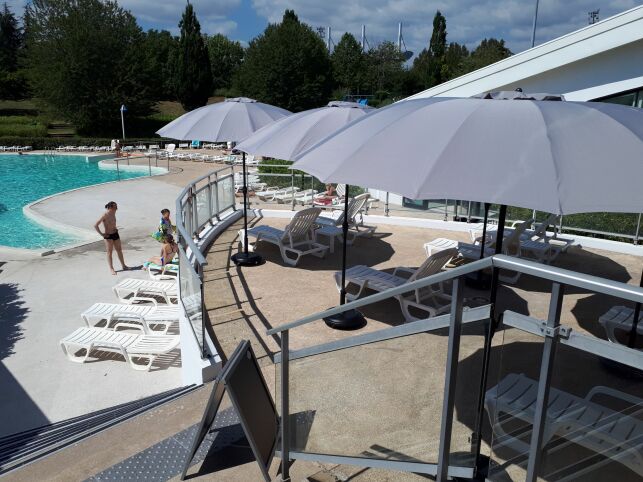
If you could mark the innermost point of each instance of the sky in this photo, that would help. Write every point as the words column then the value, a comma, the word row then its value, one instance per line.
column 468, row 21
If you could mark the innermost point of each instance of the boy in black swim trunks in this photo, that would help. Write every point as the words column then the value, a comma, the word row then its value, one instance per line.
column 111, row 237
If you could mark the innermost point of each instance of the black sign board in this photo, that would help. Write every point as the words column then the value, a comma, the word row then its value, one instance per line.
column 247, row 388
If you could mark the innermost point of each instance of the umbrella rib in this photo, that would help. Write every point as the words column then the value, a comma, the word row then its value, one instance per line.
column 551, row 156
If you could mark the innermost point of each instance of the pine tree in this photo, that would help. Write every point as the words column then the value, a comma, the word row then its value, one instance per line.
column 192, row 77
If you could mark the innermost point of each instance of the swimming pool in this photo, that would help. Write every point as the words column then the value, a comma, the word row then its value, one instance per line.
column 27, row 178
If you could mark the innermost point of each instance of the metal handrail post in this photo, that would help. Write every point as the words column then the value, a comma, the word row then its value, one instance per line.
column 285, row 408
column 451, row 376
column 292, row 185
column 638, row 230
column 544, row 382
column 195, row 212
column 118, row 171
column 386, row 208
column 469, row 212
column 210, row 201
column 149, row 165
column 446, row 209
column 216, row 195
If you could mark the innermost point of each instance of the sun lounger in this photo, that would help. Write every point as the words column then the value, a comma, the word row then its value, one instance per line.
column 364, row 277
column 616, row 435
column 131, row 290
column 291, row 195
column 269, row 195
column 619, row 318
column 439, row 244
column 306, row 198
column 356, row 224
column 296, row 239
column 166, row 272
column 146, row 315
column 132, row 346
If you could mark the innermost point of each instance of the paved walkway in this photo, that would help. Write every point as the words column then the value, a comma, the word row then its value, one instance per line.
column 41, row 300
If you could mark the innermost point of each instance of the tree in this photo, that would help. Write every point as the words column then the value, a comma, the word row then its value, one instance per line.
column 158, row 47
column 427, row 66
column 385, row 68
column 83, row 61
column 12, row 82
column 488, row 52
column 455, row 60
column 348, row 63
column 288, row 66
column 225, row 58
column 192, row 75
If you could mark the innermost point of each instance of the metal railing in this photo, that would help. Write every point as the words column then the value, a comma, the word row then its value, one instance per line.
column 541, row 423
column 200, row 205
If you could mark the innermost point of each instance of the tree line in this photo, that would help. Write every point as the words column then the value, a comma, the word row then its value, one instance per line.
column 84, row 58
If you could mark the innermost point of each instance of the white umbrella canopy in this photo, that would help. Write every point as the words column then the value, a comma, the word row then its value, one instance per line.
column 557, row 157
column 231, row 120
column 287, row 137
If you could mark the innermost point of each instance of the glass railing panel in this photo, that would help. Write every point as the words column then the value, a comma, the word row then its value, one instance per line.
column 510, row 403
column 191, row 296
column 594, row 426
column 382, row 400
column 202, row 206
column 225, row 193
column 215, row 200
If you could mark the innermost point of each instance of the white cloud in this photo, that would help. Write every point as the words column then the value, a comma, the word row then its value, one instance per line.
column 166, row 14
column 468, row 21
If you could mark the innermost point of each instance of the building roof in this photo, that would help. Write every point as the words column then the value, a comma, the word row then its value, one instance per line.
column 600, row 56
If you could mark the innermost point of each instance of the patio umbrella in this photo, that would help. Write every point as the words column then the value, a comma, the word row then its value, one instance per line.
column 291, row 136
column 558, row 157
column 231, row 120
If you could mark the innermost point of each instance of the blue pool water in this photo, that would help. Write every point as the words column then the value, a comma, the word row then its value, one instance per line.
column 24, row 179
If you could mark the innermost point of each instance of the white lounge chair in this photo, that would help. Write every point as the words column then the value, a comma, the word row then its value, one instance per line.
column 616, row 435
column 307, row 198
column 364, row 277
column 356, row 224
column 269, row 195
column 619, row 318
column 167, row 271
column 296, row 239
column 146, row 315
column 168, row 151
column 131, row 290
column 132, row 346
column 291, row 195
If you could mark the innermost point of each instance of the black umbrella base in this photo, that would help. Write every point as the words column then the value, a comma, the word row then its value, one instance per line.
column 478, row 280
column 348, row 320
column 247, row 259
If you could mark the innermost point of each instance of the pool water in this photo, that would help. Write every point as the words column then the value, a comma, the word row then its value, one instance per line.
column 27, row 178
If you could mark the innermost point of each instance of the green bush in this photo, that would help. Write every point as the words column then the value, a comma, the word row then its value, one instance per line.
column 18, row 119
column 39, row 143
column 23, row 130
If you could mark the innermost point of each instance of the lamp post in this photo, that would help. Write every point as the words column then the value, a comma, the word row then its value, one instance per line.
column 123, row 110
column 533, row 31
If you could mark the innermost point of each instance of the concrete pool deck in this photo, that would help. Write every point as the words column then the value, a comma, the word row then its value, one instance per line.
column 41, row 299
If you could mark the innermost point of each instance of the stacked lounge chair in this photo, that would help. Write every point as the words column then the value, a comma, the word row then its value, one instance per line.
column 147, row 325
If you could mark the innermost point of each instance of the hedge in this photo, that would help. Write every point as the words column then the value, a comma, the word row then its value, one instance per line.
column 53, row 142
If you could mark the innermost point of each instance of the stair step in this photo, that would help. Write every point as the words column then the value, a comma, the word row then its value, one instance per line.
column 24, row 447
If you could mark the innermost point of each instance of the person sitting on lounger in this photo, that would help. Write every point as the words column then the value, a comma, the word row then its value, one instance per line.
column 327, row 196
column 168, row 251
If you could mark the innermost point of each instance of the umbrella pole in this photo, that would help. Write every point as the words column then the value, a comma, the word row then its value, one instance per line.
column 484, row 229
column 351, row 319
column 246, row 258
column 486, row 355
column 631, row 342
